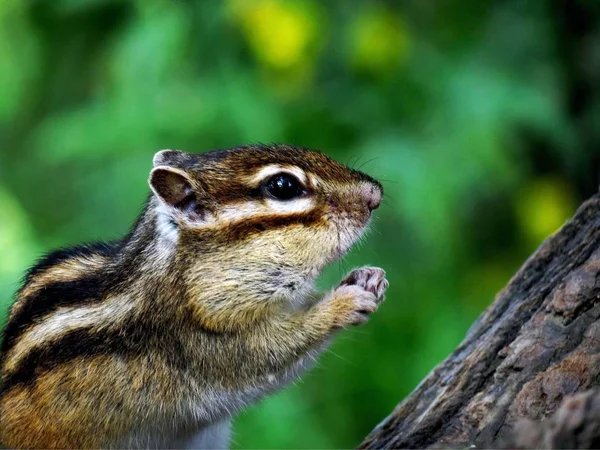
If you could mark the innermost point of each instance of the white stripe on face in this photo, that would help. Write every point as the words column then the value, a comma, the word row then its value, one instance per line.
column 253, row 208
column 249, row 209
column 241, row 210
column 273, row 169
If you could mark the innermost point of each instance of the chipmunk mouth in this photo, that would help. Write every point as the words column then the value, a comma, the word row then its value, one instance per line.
column 350, row 214
column 348, row 231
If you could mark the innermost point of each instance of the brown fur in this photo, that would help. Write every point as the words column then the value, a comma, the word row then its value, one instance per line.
column 192, row 316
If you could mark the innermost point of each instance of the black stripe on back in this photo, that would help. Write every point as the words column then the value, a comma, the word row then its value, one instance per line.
column 47, row 300
column 130, row 341
column 55, row 295
column 82, row 342
column 57, row 256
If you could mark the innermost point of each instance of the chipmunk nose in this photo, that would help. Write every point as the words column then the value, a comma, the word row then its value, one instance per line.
column 373, row 193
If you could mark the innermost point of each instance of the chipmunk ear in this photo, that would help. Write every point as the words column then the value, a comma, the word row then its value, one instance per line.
column 167, row 157
column 174, row 187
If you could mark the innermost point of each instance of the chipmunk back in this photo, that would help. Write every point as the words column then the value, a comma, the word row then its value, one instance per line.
column 204, row 307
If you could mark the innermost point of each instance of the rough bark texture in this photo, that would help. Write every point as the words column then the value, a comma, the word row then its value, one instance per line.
column 576, row 424
column 538, row 343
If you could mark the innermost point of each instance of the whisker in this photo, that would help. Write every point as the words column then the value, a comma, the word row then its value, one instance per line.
column 340, row 357
column 350, row 162
column 369, row 161
column 358, row 158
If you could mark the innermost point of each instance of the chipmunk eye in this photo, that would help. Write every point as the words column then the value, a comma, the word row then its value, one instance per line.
column 283, row 186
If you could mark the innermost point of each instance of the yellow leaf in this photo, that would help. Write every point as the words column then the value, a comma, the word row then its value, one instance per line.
column 280, row 33
column 543, row 206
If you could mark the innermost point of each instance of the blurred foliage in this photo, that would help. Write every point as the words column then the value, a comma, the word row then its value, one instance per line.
column 479, row 117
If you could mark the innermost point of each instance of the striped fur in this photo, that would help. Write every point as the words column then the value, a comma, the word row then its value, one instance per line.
column 204, row 307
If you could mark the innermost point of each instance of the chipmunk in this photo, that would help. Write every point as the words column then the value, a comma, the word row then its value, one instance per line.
column 207, row 305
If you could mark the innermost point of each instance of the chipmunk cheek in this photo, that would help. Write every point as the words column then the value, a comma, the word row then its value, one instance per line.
column 303, row 248
column 321, row 249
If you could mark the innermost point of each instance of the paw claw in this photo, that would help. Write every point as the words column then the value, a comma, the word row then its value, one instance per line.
column 371, row 279
column 362, row 291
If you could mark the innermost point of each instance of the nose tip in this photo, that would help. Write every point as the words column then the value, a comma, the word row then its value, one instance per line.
column 373, row 195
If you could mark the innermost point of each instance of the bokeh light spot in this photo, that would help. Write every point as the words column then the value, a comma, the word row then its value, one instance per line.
column 279, row 33
column 543, row 206
column 380, row 40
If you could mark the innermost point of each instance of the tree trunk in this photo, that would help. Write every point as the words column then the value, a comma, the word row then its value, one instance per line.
column 536, row 344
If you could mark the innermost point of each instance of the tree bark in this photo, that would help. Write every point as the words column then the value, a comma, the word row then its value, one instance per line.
column 538, row 343
column 576, row 424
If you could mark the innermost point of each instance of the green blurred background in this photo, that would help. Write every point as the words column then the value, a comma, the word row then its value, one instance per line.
column 480, row 117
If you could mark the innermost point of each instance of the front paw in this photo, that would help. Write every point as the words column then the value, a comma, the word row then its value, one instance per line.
column 371, row 279
column 358, row 296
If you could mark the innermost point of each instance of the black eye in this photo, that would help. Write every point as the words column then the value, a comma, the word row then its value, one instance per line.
column 283, row 186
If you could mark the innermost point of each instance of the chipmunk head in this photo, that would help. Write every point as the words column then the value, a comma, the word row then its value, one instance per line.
column 265, row 219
